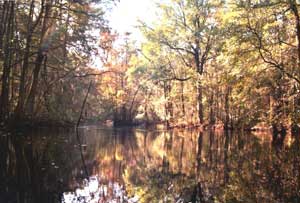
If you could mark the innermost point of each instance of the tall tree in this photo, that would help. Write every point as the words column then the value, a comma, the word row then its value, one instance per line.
column 8, row 26
column 187, row 29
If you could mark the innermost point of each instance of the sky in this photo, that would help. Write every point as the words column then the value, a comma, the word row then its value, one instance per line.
column 125, row 15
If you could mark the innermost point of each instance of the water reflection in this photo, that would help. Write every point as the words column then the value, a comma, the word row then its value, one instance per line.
column 131, row 165
column 93, row 190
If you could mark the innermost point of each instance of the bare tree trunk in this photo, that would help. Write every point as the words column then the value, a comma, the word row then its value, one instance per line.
column 182, row 97
column 199, row 153
column 227, row 117
column 15, row 67
column 4, row 16
column 170, row 104
column 4, row 99
column 43, row 47
column 226, row 166
column 200, row 102
column 146, row 111
column 166, row 105
column 217, row 111
column 211, row 109
column 83, row 104
column 22, row 90
column 31, row 98
column 181, row 155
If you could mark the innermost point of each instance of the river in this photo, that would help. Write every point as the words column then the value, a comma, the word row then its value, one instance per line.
column 99, row 164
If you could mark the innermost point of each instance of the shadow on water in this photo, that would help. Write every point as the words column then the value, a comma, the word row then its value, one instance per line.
column 132, row 165
column 29, row 168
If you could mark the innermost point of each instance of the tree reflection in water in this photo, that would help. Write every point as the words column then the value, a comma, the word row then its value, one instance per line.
column 131, row 165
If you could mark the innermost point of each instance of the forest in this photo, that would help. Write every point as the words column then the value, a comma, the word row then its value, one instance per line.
column 203, row 108
column 230, row 63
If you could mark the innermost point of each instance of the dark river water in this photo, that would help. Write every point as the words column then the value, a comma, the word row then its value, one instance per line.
column 133, row 165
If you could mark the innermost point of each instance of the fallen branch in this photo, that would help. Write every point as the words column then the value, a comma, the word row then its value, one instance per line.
column 77, row 125
column 83, row 104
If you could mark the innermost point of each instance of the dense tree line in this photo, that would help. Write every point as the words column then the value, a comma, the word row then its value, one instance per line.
column 46, row 48
column 224, row 63
column 230, row 63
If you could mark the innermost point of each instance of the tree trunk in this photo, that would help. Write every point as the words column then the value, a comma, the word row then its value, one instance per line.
column 15, row 68
column 200, row 102
column 170, row 104
column 4, row 99
column 181, row 155
column 199, row 153
column 22, row 90
column 31, row 98
column 227, row 117
column 182, row 98
column 166, row 105
column 226, row 166
column 43, row 48
column 211, row 109
column 4, row 16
